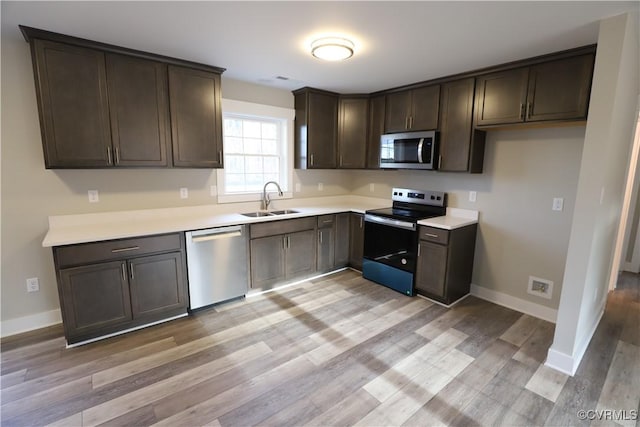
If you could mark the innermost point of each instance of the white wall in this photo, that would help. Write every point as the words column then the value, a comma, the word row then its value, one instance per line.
column 603, row 172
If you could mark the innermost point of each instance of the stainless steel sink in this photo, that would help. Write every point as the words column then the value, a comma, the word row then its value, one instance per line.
column 284, row 212
column 257, row 214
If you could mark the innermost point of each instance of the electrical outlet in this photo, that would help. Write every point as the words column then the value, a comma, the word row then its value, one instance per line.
column 33, row 285
column 298, row 187
column 320, row 186
column 184, row 193
column 558, row 204
column 213, row 191
column 372, row 187
column 472, row 196
column 93, row 196
column 540, row 287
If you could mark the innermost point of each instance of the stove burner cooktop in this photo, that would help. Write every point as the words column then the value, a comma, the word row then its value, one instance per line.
column 414, row 205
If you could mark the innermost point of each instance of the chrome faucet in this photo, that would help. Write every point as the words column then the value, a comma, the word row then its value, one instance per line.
column 265, row 195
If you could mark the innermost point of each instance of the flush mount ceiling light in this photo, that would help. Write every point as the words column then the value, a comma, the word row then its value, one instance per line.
column 332, row 48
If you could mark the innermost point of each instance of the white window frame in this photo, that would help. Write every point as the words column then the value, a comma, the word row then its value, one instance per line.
column 250, row 109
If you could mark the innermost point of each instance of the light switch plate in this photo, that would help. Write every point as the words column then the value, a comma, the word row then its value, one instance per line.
column 558, row 204
column 472, row 196
column 33, row 285
column 184, row 193
column 93, row 196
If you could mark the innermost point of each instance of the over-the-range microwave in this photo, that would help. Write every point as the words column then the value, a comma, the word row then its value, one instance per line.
column 410, row 150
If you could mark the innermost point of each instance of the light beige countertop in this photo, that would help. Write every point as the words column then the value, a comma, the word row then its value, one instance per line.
column 455, row 218
column 93, row 227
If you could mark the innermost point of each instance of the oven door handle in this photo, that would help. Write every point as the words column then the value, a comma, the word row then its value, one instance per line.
column 420, row 150
column 389, row 221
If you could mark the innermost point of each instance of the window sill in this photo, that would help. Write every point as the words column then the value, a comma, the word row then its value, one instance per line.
column 251, row 197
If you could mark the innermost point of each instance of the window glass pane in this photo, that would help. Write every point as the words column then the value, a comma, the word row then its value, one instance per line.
column 252, row 146
column 269, row 146
column 233, row 127
column 234, row 182
column 271, row 165
column 234, row 164
column 253, row 164
column 269, row 130
column 233, row 145
column 271, row 177
column 254, row 182
column 251, row 129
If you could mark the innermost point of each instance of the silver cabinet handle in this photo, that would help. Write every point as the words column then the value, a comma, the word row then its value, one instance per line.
column 288, row 242
column 340, row 159
column 528, row 113
column 361, row 220
column 406, row 122
column 117, row 150
column 440, row 161
column 284, row 242
column 311, row 157
column 220, row 157
column 435, row 236
column 109, row 161
column 131, row 270
column 418, row 250
column 521, row 111
column 124, row 272
column 131, row 248
column 410, row 122
column 320, row 233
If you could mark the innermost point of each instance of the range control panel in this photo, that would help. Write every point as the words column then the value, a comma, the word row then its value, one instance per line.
column 423, row 197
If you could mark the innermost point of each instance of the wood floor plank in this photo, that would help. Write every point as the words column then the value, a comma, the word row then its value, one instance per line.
column 547, row 383
column 321, row 351
column 214, row 408
column 139, row 398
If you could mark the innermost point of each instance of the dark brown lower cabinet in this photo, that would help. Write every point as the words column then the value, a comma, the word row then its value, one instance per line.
column 282, row 251
column 356, row 240
column 342, row 227
column 445, row 262
column 333, row 242
column 116, row 285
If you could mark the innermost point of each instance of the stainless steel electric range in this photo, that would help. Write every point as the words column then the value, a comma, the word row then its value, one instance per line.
column 391, row 237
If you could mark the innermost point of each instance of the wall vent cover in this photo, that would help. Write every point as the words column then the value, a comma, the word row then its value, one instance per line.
column 540, row 287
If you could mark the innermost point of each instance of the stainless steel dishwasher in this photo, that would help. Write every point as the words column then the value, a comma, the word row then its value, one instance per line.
column 217, row 264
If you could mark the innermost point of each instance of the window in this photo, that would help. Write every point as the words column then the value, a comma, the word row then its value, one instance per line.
column 257, row 148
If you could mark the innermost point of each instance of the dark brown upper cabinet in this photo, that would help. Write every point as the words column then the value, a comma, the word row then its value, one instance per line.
column 316, row 129
column 71, row 88
column 106, row 106
column 139, row 110
column 353, row 120
column 549, row 91
column 461, row 146
column 376, row 130
column 196, row 117
column 412, row 110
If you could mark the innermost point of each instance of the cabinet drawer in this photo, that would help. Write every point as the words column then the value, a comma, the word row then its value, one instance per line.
column 282, row 227
column 433, row 234
column 326, row 221
column 87, row 253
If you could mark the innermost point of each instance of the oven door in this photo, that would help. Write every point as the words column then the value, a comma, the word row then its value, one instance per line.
column 391, row 242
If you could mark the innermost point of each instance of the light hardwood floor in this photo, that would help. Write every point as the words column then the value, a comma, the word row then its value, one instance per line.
column 336, row 351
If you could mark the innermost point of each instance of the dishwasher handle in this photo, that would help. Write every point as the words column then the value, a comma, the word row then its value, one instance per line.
column 215, row 234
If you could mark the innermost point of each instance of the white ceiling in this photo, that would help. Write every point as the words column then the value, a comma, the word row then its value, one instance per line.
column 397, row 43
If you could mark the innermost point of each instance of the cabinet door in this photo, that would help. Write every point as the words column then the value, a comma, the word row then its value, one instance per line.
column 71, row 87
column 376, row 130
column 301, row 253
column 322, row 130
column 267, row 260
column 157, row 284
column 356, row 240
column 397, row 111
column 139, row 110
column 342, row 227
column 94, row 297
column 326, row 249
column 559, row 90
column 352, row 135
column 196, row 117
column 501, row 97
column 432, row 268
column 425, row 106
column 456, row 125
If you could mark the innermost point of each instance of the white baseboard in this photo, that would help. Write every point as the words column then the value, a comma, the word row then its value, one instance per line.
column 569, row 364
column 30, row 323
column 527, row 307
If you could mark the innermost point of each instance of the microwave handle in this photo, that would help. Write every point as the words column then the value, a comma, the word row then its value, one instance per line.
column 420, row 150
